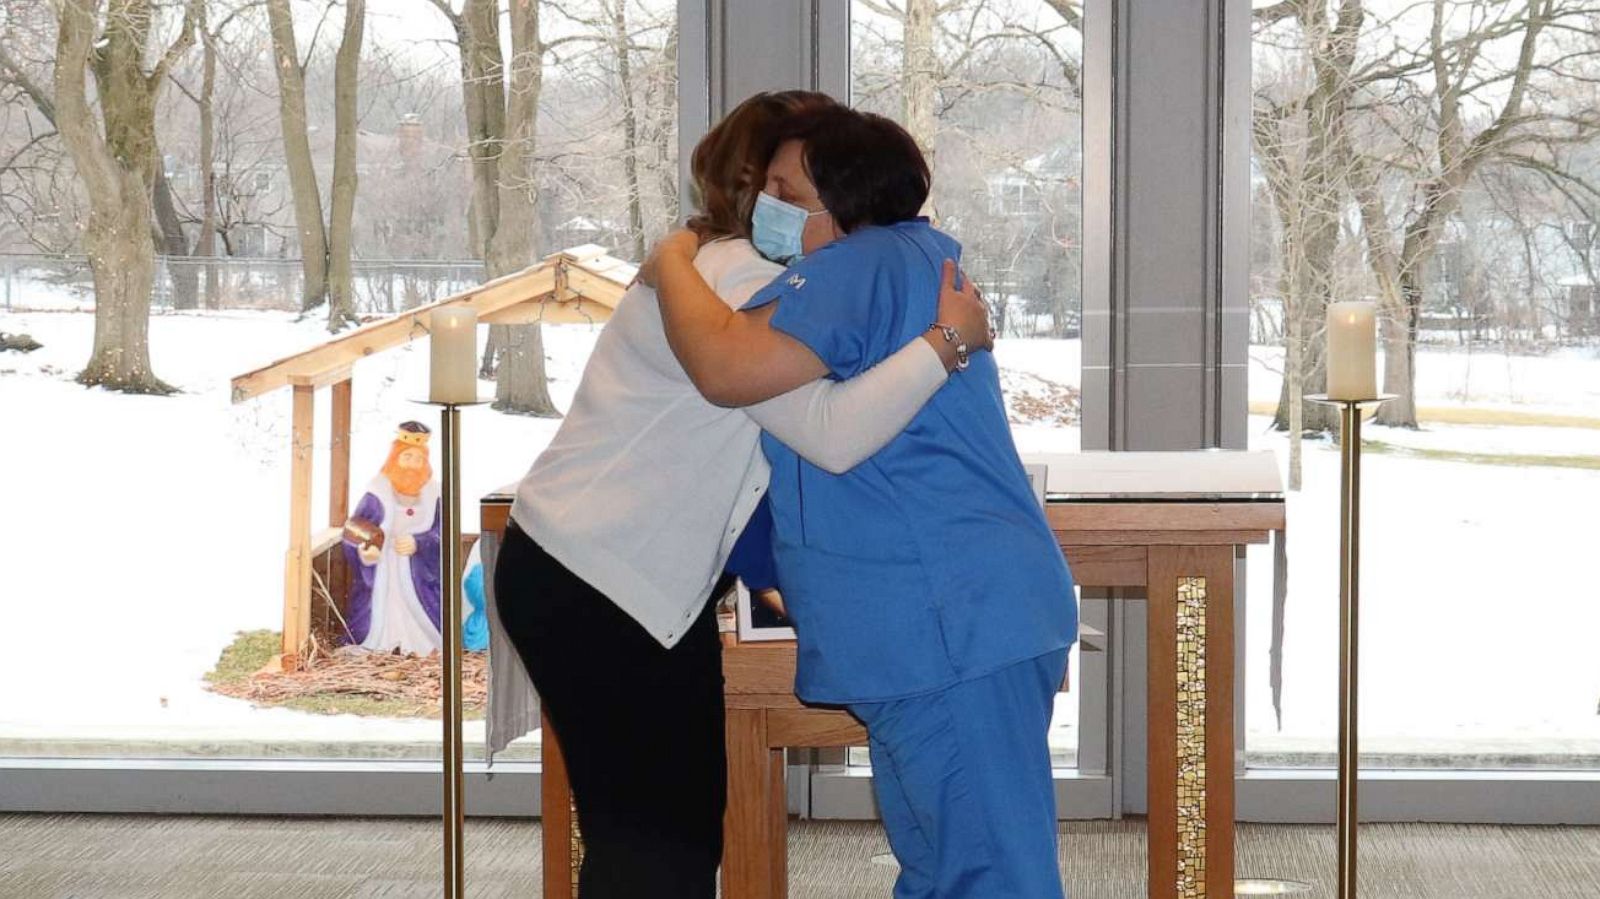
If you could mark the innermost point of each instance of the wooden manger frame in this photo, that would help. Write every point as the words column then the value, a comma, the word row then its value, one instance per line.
column 576, row 286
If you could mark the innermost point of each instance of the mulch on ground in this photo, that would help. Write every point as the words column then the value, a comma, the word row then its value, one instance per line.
column 408, row 682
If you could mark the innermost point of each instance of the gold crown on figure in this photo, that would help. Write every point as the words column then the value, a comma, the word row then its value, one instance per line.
column 414, row 433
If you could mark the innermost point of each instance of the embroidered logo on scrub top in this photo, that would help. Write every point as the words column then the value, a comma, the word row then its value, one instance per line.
column 797, row 281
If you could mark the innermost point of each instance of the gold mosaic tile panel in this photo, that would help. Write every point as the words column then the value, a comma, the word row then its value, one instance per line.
column 577, row 847
column 1191, row 738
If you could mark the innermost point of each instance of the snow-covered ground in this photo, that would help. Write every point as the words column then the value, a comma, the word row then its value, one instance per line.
column 145, row 532
column 1480, row 582
column 1566, row 381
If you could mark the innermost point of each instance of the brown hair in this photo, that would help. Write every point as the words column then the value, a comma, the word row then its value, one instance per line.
column 867, row 169
column 729, row 165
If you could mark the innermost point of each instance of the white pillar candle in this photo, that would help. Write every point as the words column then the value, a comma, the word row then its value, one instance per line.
column 453, row 373
column 1352, row 351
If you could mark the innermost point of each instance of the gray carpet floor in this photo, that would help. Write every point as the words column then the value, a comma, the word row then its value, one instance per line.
column 153, row 857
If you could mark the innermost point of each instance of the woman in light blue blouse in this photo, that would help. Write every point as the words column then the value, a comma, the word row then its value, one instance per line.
column 928, row 593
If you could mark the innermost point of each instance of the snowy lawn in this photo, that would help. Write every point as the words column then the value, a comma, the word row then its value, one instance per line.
column 155, row 528
column 1480, row 573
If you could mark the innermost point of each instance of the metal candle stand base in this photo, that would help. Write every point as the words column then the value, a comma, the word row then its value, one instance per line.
column 1349, row 626
column 450, row 562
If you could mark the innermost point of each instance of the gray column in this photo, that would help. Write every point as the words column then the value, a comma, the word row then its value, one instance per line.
column 730, row 49
column 1166, row 229
column 1166, row 254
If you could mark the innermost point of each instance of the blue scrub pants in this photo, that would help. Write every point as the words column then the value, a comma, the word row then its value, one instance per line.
column 964, row 785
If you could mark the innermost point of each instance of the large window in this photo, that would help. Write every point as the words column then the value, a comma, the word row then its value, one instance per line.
column 145, row 536
column 991, row 92
column 1440, row 160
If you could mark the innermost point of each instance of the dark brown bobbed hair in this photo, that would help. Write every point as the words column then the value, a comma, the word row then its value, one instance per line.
column 867, row 169
column 729, row 165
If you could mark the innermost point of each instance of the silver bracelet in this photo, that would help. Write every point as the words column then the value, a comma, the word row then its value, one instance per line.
column 951, row 335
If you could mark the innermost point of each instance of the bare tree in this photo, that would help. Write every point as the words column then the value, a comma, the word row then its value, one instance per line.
column 622, row 50
column 36, row 177
column 341, row 290
column 661, row 119
column 297, row 154
column 115, row 156
column 167, row 231
column 171, row 238
column 939, row 43
column 1453, row 71
column 627, row 123
column 1394, row 137
column 988, row 88
column 207, row 241
column 1300, row 138
column 324, row 250
column 502, row 105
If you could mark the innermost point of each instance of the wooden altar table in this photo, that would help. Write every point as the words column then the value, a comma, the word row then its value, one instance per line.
column 1170, row 523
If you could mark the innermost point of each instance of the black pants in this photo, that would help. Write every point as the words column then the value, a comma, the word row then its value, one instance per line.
column 641, row 727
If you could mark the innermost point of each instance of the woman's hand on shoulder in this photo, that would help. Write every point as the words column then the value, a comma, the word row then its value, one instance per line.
column 964, row 310
column 681, row 243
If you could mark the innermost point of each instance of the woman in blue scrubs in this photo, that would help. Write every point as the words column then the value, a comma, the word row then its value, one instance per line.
column 928, row 593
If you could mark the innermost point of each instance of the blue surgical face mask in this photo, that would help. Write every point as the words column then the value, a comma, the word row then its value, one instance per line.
column 777, row 227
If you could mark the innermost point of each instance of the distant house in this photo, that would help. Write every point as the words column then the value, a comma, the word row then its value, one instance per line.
column 581, row 229
column 1582, row 307
column 1024, row 248
column 1489, row 271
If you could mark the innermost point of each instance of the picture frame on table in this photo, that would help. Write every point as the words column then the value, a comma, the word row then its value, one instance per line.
column 1037, row 473
column 759, row 622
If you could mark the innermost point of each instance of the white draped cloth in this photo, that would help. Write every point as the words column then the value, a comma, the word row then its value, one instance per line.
column 399, row 620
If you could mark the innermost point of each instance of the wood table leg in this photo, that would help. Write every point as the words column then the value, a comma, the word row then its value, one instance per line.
column 755, row 861
column 560, row 849
column 1190, row 721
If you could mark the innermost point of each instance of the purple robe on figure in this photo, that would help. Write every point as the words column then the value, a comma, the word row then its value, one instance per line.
column 395, row 603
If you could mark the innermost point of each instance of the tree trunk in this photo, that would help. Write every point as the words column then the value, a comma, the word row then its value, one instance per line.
column 174, row 243
column 1387, row 269
column 1400, row 357
column 122, row 261
column 341, row 285
column 207, row 247
column 1310, row 239
column 116, row 167
column 1317, row 197
column 297, row 156
column 665, row 79
column 501, row 134
column 920, row 74
column 1305, row 369
column 489, row 368
column 630, row 128
column 483, row 99
column 520, row 382
column 1291, row 401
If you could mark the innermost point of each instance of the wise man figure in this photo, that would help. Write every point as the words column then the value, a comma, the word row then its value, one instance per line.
column 392, row 544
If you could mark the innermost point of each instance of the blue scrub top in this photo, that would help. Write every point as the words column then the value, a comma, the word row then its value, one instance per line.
column 751, row 560
column 931, row 562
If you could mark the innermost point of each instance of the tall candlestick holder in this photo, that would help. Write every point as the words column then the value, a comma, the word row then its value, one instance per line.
column 1349, row 625
column 450, row 571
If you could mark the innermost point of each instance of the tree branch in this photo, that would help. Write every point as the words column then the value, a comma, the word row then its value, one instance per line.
column 887, row 10
column 450, row 15
column 1267, row 15
column 17, row 76
column 180, row 46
